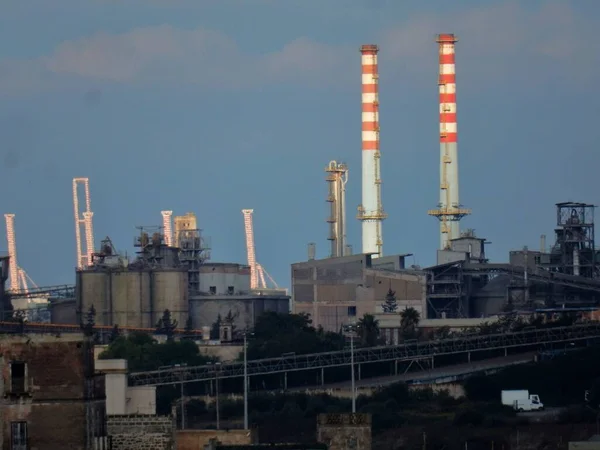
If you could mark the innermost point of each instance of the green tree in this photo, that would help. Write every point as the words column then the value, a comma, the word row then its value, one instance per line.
column 89, row 322
column 390, row 305
column 114, row 333
column 166, row 325
column 276, row 334
column 188, row 329
column 368, row 331
column 143, row 352
column 409, row 319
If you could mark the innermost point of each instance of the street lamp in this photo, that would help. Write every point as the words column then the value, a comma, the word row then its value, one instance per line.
column 246, row 334
column 351, row 329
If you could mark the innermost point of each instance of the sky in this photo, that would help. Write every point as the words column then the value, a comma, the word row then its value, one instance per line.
column 216, row 106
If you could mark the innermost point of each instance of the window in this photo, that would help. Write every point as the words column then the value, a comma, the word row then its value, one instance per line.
column 213, row 290
column 18, row 436
column 230, row 290
column 351, row 311
column 18, row 382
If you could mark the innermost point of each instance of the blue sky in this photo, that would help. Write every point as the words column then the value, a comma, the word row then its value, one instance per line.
column 215, row 106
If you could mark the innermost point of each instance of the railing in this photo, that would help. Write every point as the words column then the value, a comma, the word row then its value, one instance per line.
column 36, row 327
column 405, row 352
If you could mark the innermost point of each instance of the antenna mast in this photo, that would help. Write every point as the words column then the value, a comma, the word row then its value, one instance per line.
column 83, row 218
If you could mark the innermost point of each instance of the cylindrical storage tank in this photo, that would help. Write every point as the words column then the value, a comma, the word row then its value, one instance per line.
column 129, row 295
column 170, row 291
column 91, row 289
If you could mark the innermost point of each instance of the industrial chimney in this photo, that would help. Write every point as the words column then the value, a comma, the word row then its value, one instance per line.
column 337, row 177
column 371, row 211
column 449, row 210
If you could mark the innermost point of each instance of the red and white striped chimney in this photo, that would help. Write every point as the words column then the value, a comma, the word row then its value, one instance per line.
column 370, row 212
column 449, row 212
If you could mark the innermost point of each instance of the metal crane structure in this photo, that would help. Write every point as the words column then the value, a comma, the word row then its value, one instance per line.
column 83, row 218
column 258, row 275
column 167, row 227
column 18, row 276
column 449, row 211
column 12, row 252
column 337, row 178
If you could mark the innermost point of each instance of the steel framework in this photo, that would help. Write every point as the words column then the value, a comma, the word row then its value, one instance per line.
column 60, row 291
column 406, row 352
column 450, row 286
column 83, row 259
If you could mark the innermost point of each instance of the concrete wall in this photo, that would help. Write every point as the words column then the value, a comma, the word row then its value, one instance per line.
column 63, row 311
column 197, row 439
column 223, row 352
column 54, row 405
column 345, row 431
column 204, row 309
column 122, row 399
column 133, row 298
column 138, row 432
column 223, row 276
column 336, row 291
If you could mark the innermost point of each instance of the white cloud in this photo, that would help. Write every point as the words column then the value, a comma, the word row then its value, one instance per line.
column 497, row 41
column 501, row 41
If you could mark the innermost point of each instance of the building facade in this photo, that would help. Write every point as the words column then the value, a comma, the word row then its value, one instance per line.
column 51, row 397
column 225, row 290
column 337, row 291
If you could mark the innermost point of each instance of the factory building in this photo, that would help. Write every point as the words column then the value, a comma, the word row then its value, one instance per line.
column 338, row 291
column 180, row 279
column 226, row 291
column 134, row 294
column 465, row 284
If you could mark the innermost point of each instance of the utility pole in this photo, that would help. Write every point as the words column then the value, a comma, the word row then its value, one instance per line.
column 246, row 380
column 217, row 365
column 352, row 370
column 351, row 329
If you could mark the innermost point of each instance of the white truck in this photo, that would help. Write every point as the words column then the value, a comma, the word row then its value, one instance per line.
column 521, row 400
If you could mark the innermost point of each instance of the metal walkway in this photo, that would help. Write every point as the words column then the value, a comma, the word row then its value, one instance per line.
column 531, row 339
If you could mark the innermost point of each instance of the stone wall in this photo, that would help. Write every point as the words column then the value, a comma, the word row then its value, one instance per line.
column 197, row 439
column 344, row 431
column 141, row 432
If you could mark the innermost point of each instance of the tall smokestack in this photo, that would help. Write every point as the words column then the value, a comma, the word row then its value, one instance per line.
column 449, row 210
column 337, row 177
column 371, row 211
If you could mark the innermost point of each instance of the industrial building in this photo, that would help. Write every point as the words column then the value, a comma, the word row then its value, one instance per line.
column 179, row 278
column 173, row 269
column 336, row 291
column 463, row 284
